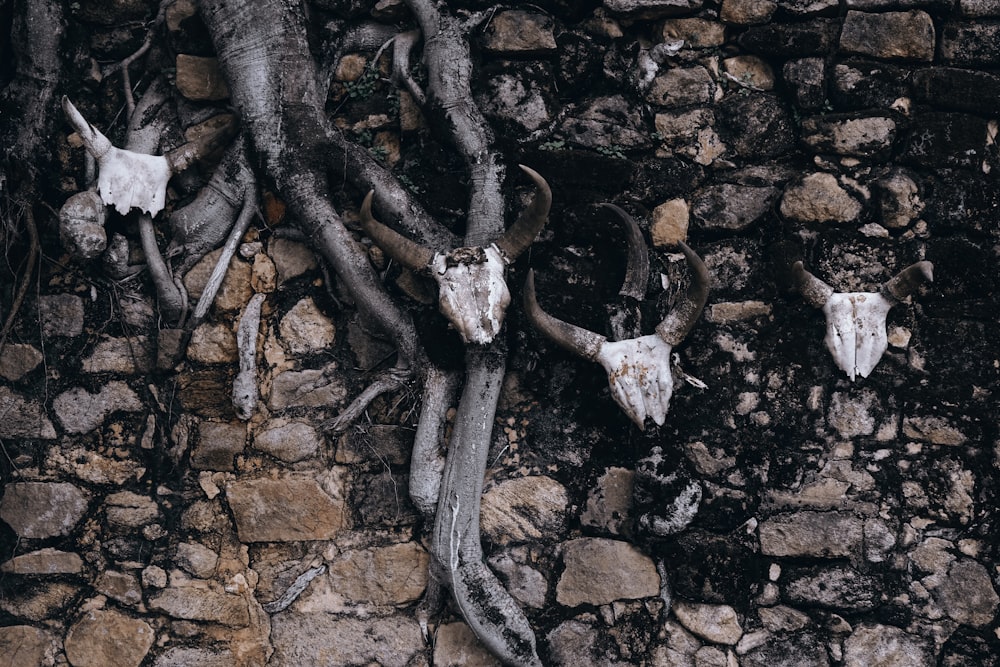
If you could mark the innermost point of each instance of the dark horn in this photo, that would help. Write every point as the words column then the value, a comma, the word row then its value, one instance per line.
column 519, row 237
column 637, row 269
column 813, row 290
column 575, row 339
column 909, row 280
column 184, row 156
column 410, row 254
column 676, row 325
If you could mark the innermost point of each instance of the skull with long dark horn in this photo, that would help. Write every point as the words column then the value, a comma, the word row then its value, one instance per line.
column 638, row 368
column 855, row 321
column 472, row 291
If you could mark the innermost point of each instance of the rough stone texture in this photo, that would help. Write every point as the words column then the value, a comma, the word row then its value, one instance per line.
column 574, row 643
column 733, row 207
column 697, row 33
column 792, row 40
column 26, row 418
column 858, row 137
column 180, row 656
column 213, row 343
column 890, row 35
column 715, row 623
column 899, row 200
column 935, row 430
column 283, row 510
column 728, row 312
column 197, row 559
column 305, row 329
column 235, row 290
column 199, row 602
column 23, row 645
column 60, row 315
column 44, row 561
column 309, row 388
column 670, row 223
column 610, row 502
column 126, row 509
column 104, row 638
column 128, row 356
column 690, row 134
column 819, row 198
column 200, row 79
column 37, row 510
column 218, row 443
column 680, row 87
column 519, row 33
column 522, row 509
column 967, row 44
column 966, row 593
column 837, row 587
column 747, row 12
column 606, row 122
column 457, row 646
column 392, row 575
column 80, row 411
column 329, row 640
column 18, row 359
column 40, row 602
column 651, row 9
column 525, row 583
column 518, row 100
column 811, row 534
column 806, row 78
column 801, row 649
column 956, row 88
column 291, row 258
column 852, row 414
column 886, row 646
column 749, row 72
column 119, row 586
column 600, row 571
column 288, row 440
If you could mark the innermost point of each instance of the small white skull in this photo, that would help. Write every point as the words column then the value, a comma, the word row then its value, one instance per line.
column 855, row 330
column 855, row 321
column 639, row 375
column 125, row 179
column 472, row 292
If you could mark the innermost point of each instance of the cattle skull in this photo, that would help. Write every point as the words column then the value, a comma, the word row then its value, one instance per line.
column 127, row 179
column 855, row 321
column 638, row 369
column 472, row 292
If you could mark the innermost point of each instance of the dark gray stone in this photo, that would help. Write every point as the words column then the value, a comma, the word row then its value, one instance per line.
column 805, row 78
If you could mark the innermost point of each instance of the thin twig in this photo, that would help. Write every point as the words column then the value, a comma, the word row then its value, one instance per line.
column 386, row 381
column 22, row 290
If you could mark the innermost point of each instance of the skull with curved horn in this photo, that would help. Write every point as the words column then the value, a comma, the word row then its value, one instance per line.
column 638, row 368
column 472, row 292
column 127, row 179
column 855, row 321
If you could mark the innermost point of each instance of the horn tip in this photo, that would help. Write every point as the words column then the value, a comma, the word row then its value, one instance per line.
column 927, row 268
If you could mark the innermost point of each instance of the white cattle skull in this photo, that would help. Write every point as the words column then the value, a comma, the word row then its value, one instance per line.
column 472, row 291
column 638, row 369
column 127, row 179
column 855, row 321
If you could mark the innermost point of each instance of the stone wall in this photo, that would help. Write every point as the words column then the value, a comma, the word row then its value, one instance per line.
column 841, row 523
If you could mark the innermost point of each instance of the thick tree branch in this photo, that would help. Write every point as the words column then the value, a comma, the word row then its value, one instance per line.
column 264, row 54
column 450, row 105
